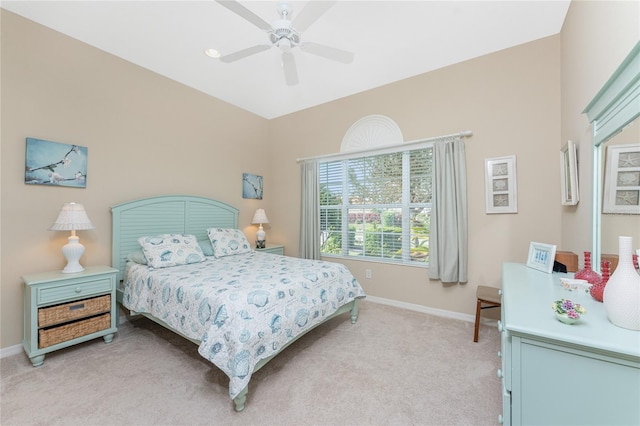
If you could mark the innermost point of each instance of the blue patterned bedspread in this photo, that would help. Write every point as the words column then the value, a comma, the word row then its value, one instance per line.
column 242, row 308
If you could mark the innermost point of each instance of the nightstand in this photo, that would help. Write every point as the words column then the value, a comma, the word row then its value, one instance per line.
column 62, row 309
column 273, row 249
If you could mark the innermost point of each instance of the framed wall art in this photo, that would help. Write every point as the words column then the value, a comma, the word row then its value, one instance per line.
column 622, row 180
column 55, row 164
column 569, row 174
column 252, row 186
column 541, row 256
column 500, row 185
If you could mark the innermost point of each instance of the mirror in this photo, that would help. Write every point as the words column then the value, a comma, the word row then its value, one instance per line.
column 612, row 113
column 613, row 225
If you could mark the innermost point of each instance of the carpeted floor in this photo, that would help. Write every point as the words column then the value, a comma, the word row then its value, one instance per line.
column 394, row 367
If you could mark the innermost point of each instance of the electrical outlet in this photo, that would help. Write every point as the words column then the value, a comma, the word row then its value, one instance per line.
column 367, row 273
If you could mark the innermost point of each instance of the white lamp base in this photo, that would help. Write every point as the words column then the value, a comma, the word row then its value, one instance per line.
column 73, row 251
column 260, row 236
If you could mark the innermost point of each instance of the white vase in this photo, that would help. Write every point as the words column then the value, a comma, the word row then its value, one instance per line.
column 622, row 292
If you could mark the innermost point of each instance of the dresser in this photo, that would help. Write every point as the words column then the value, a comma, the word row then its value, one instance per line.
column 558, row 374
column 62, row 309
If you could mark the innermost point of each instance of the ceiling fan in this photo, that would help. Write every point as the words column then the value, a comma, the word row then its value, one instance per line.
column 286, row 34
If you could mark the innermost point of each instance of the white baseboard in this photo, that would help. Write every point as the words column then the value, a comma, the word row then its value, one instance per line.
column 11, row 350
column 16, row 349
column 431, row 311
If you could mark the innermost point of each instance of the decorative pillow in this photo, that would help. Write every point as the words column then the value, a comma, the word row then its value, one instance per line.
column 227, row 242
column 206, row 247
column 167, row 250
column 137, row 257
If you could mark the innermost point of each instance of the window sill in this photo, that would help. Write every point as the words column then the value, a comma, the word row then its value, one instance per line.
column 373, row 260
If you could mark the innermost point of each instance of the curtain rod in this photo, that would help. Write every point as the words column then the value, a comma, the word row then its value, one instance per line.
column 464, row 134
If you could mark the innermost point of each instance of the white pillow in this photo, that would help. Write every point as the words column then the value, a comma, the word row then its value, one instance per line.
column 167, row 250
column 227, row 242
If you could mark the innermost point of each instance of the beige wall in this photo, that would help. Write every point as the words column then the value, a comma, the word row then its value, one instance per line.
column 511, row 102
column 148, row 135
column 596, row 37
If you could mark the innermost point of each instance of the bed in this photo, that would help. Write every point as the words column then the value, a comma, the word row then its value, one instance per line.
column 240, row 306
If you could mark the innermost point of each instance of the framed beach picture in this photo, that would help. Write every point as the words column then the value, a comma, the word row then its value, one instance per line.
column 541, row 256
column 55, row 164
column 501, row 194
column 252, row 186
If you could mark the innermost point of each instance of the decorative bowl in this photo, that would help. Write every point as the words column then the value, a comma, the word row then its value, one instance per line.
column 579, row 286
column 564, row 318
column 567, row 311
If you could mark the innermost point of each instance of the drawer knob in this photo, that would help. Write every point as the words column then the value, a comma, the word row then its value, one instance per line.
column 499, row 374
column 500, row 292
column 78, row 289
column 500, row 326
column 500, row 419
column 499, row 354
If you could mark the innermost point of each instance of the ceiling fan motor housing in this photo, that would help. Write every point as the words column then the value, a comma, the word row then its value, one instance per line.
column 282, row 30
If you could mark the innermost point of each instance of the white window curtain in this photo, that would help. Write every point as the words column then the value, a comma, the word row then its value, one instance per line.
column 309, row 211
column 448, row 251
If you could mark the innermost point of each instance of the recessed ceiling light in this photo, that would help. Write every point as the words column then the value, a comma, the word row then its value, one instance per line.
column 213, row 53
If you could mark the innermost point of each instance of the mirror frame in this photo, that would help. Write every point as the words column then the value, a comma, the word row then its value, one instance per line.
column 615, row 106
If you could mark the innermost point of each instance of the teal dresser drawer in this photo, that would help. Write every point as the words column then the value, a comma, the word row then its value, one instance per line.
column 64, row 292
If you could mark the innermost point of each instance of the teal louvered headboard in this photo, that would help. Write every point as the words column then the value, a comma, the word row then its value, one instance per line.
column 169, row 214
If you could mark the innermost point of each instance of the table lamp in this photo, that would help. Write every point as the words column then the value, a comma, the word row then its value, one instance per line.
column 72, row 217
column 260, row 217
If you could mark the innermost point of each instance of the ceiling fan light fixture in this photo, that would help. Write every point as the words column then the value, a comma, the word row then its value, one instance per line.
column 212, row 53
column 284, row 44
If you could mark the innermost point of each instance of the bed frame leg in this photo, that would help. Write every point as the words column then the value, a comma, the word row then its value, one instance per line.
column 240, row 400
column 354, row 312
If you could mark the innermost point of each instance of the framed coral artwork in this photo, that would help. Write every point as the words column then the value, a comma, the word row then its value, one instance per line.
column 500, row 185
column 622, row 180
column 55, row 164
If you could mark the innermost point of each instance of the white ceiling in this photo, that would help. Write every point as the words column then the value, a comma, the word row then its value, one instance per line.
column 391, row 40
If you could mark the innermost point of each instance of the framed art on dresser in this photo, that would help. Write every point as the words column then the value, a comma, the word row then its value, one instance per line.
column 541, row 256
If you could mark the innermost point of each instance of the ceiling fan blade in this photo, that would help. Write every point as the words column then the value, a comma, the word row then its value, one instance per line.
column 289, row 66
column 328, row 52
column 245, row 13
column 232, row 57
column 310, row 14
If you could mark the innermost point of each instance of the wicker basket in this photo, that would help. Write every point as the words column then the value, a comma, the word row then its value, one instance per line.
column 54, row 335
column 72, row 311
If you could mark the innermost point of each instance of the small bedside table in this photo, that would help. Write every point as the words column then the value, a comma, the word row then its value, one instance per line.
column 62, row 309
column 273, row 250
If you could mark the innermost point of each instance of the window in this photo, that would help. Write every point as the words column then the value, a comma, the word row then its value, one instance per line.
column 377, row 206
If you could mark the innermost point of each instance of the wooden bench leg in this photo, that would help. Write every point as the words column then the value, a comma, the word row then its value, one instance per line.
column 475, row 332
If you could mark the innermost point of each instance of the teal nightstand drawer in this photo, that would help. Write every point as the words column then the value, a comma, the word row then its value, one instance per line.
column 273, row 250
column 66, row 291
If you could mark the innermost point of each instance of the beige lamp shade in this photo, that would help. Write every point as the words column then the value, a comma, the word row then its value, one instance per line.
column 260, row 217
column 72, row 217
